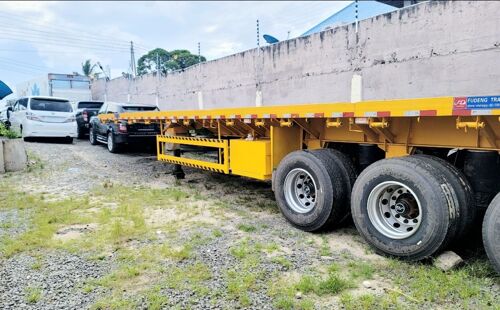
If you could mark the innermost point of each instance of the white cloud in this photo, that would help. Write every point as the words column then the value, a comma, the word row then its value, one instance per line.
column 210, row 28
column 221, row 49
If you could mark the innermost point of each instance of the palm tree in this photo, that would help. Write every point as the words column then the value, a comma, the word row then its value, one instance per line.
column 87, row 68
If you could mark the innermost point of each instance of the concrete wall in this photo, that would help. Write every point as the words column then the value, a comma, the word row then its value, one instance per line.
column 431, row 49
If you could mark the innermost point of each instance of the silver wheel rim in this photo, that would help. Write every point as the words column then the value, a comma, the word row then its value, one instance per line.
column 110, row 142
column 91, row 136
column 394, row 210
column 300, row 191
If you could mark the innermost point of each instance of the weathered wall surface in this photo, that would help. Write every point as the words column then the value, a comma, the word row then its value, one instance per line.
column 432, row 49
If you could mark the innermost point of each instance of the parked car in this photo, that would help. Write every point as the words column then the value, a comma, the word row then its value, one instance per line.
column 43, row 117
column 116, row 135
column 84, row 111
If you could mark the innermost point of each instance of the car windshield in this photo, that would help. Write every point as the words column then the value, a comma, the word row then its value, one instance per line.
column 50, row 105
column 138, row 108
column 89, row 105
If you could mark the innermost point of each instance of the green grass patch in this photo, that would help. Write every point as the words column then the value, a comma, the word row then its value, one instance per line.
column 247, row 228
column 325, row 248
column 239, row 283
column 217, row 233
column 361, row 270
column 33, row 294
column 283, row 261
column 114, row 303
column 387, row 301
column 283, row 295
column 192, row 277
column 463, row 287
column 45, row 218
column 155, row 300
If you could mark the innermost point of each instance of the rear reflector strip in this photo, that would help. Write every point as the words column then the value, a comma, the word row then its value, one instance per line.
column 461, row 112
column 428, row 112
column 384, row 114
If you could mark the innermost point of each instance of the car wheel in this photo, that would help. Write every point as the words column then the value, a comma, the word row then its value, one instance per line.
column 113, row 147
column 80, row 133
column 26, row 139
column 92, row 136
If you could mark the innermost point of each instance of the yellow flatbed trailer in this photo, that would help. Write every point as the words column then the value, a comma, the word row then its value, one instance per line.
column 414, row 173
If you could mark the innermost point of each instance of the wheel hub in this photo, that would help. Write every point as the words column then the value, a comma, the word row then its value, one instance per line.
column 401, row 208
column 394, row 210
column 300, row 191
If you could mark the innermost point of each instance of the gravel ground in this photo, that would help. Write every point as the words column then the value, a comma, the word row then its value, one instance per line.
column 72, row 170
column 59, row 275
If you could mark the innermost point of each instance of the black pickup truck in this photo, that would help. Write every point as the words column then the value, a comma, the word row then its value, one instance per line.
column 116, row 135
column 84, row 111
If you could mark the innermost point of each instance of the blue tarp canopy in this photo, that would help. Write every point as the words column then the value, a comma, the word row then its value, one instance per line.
column 4, row 90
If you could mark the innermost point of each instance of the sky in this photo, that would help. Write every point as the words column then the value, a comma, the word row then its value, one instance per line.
column 41, row 37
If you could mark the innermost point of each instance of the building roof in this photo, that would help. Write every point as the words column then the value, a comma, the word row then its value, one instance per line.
column 347, row 15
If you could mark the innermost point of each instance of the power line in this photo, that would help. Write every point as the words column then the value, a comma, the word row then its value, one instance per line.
column 90, row 47
column 67, row 29
column 17, row 71
column 15, row 68
column 57, row 40
column 45, row 34
column 52, row 51
column 20, row 63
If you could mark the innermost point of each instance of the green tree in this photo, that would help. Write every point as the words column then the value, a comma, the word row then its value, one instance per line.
column 88, row 68
column 185, row 59
column 168, row 61
column 148, row 63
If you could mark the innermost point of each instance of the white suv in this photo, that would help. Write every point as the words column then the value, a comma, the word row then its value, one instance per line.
column 43, row 117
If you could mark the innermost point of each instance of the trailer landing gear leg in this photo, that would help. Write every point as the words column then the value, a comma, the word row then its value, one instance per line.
column 177, row 171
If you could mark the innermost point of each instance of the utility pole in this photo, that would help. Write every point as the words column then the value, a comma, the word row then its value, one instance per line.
column 132, row 59
column 356, row 11
column 199, row 52
column 258, row 35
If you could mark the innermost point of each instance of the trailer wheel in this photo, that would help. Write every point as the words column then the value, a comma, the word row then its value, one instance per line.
column 403, row 207
column 309, row 190
column 491, row 232
column 346, row 169
column 466, row 215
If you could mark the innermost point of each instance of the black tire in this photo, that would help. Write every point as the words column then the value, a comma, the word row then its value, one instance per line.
column 80, row 133
column 491, row 232
column 425, row 233
column 348, row 172
column 467, row 211
column 68, row 140
column 112, row 146
column 330, row 196
column 92, row 136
